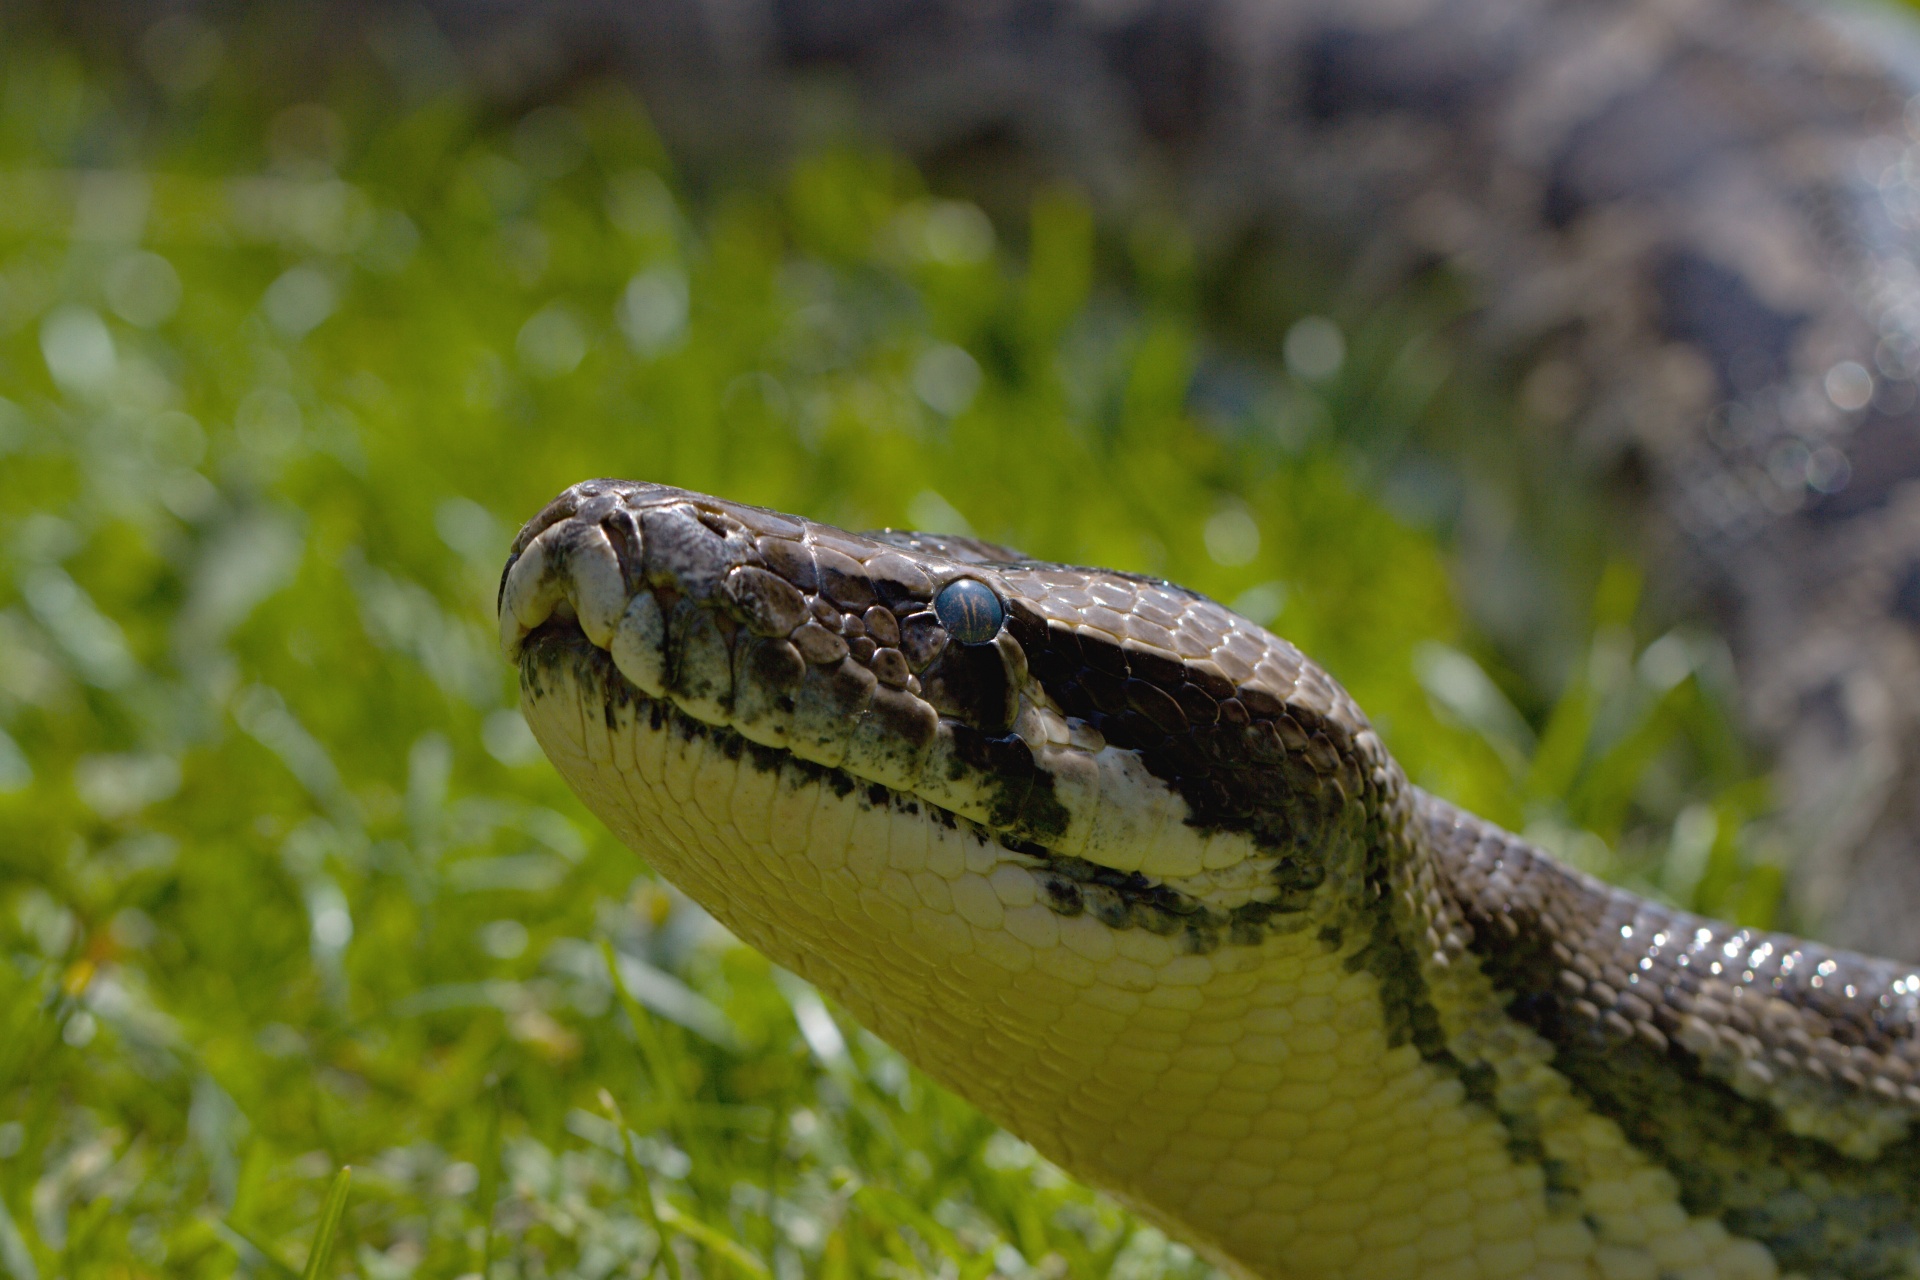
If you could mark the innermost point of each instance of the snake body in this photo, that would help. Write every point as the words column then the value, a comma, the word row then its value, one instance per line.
column 1138, row 879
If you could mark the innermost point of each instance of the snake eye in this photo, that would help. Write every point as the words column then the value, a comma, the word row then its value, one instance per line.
column 969, row 611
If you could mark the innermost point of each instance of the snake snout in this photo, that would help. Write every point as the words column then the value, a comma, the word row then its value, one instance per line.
column 664, row 587
column 796, row 636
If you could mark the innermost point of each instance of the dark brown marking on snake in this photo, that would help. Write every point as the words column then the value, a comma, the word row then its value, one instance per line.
column 1275, row 774
column 970, row 683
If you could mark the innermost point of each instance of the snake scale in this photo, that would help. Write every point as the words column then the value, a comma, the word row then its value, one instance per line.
column 1138, row 879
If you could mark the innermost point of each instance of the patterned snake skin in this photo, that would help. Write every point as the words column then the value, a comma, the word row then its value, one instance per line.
column 1138, row 879
column 1687, row 227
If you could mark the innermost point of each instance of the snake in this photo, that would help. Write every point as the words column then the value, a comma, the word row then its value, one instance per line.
column 1138, row 879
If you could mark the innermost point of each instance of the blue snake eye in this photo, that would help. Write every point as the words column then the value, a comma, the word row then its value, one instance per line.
column 969, row 611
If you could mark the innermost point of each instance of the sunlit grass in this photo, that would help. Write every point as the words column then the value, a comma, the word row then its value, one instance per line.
column 284, row 884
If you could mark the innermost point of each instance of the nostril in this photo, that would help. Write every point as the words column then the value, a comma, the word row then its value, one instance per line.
column 622, row 528
column 682, row 552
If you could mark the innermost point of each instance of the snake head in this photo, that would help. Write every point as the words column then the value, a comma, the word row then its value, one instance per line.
column 1108, row 722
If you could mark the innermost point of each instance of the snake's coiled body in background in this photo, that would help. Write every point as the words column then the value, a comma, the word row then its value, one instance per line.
column 1138, row 879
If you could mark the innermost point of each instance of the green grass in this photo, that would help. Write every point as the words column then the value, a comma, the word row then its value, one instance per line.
column 285, row 886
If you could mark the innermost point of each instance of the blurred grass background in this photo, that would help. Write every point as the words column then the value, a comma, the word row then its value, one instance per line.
column 285, row 884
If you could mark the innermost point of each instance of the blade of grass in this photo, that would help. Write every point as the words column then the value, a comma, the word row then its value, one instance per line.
column 242, row 1241
column 642, row 1181
column 489, row 1189
column 680, row 1117
column 659, row 1064
column 724, row 1246
column 776, row 1132
column 329, row 1223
